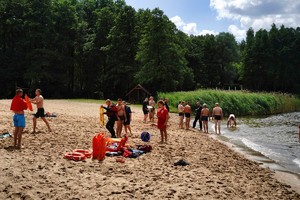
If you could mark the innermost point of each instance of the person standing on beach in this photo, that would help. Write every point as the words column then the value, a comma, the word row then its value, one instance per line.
column 163, row 117
column 187, row 113
column 217, row 115
column 121, row 117
column 18, row 105
column 181, row 113
column 111, row 112
column 167, row 104
column 145, row 109
column 39, row 101
column 128, row 118
column 205, row 117
column 152, row 109
column 197, row 115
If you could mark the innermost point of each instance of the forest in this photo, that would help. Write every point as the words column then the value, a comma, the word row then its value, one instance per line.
column 103, row 48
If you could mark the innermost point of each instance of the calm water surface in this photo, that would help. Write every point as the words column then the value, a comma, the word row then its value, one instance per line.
column 274, row 137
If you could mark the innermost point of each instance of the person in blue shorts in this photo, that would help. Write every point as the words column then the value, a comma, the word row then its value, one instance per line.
column 18, row 105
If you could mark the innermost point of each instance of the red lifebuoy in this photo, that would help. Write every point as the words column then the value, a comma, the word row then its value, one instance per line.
column 74, row 156
column 87, row 153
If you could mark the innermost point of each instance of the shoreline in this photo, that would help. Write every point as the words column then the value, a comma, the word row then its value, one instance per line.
column 39, row 170
column 284, row 176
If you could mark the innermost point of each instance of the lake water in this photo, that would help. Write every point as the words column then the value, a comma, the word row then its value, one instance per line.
column 272, row 139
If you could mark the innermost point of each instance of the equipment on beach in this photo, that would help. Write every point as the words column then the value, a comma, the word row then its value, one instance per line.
column 4, row 135
column 101, row 116
column 145, row 136
column 99, row 146
column 74, row 156
column 86, row 153
column 29, row 105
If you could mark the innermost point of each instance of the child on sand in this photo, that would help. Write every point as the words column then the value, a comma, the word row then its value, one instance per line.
column 128, row 118
column 39, row 101
column 163, row 117
column 18, row 105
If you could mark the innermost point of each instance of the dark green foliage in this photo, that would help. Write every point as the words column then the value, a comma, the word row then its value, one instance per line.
column 103, row 48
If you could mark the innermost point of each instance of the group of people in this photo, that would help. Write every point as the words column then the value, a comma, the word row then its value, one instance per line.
column 18, row 105
column 120, row 113
column 202, row 114
column 162, row 115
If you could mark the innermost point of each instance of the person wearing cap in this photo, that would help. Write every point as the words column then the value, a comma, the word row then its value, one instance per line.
column 231, row 121
column 18, row 105
column 217, row 115
column 204, row 116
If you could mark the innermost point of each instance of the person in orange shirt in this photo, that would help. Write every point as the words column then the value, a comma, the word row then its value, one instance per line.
column 18, row 105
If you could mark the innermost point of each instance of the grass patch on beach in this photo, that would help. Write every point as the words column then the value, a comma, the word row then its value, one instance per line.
column 241, row 103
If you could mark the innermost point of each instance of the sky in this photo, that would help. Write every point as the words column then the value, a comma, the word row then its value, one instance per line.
column 199, row 17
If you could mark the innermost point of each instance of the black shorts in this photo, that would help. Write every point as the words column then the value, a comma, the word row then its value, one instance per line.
column 181, row 114
column 204, row 118
column 40, row 113
column 187, row 115
column 145, row 112
column 122, row 118
column 217, row 117
column 127, row 122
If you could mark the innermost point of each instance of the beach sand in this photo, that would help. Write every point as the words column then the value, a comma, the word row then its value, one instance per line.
column 39, row 170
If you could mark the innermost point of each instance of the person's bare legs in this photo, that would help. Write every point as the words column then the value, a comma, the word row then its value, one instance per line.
column 20, row 132
column 166, row 137
column 219, row 126
column 47, row 123
column 216, row 126
column 162, row 135
column 145, row 118
column 34, row 124
column 16, row 131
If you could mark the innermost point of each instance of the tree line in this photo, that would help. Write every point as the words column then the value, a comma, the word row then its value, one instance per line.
column 103, row 48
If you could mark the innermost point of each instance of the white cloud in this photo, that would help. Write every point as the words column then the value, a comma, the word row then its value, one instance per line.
column 239, row 34
column 258, row 14
column 190, row 28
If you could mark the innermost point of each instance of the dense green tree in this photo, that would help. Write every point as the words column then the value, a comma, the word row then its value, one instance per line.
column 160, row 55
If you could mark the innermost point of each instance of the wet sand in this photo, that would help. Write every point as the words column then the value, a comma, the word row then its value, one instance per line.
column 39, row 170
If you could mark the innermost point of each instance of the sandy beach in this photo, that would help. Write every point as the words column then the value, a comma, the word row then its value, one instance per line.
column 39, row 170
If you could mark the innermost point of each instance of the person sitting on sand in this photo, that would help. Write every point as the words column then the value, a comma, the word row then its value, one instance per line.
column 163, row 117
column 18, row 105
column 39, row 101
column 187, row 114
column 218, row 117
column 204, row 116
column 231, row 121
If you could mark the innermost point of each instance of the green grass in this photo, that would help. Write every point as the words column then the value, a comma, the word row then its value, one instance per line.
column 241, row 103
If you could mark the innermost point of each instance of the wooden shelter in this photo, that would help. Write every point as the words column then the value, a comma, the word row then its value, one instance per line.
column 137, row 94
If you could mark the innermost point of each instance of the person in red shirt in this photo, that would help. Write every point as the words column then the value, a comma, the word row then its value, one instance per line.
column 18, row 105
column 163, row 117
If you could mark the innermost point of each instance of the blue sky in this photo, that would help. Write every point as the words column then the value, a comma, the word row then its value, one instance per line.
column 235, row 16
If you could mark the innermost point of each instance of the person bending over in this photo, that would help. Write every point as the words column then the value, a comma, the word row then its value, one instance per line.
column 231, row 121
